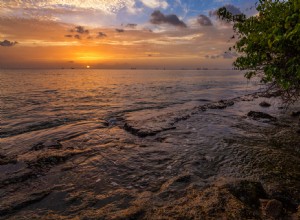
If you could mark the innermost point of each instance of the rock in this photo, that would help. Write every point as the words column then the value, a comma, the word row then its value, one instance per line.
column 142, row 132
column 18, row 178
column 247, row 98
column 112, row 121
column 37, row 147
column 261, row 115
column 20, row 203
column 248, row 192
column 6, row 160
column 265, row 104
column 138, row 132
column 50, row 144
column 183, row 179
column 298, row 212
column 286, row 198
column 46, row 162
column 273, row 208
column 53, row 144
column 114, row 184
column 296, row 114
column 272, row 94
column 221, row 104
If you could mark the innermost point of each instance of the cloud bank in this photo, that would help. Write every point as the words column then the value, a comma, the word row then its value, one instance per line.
column 203, row 20
column 159, row 18
column 7, row 43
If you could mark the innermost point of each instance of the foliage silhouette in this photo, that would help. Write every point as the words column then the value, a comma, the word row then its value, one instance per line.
column 269, row 45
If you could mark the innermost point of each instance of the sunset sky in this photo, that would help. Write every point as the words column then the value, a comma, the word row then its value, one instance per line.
column 116, row 33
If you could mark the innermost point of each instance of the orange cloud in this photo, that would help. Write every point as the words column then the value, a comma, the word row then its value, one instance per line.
column 44, row 43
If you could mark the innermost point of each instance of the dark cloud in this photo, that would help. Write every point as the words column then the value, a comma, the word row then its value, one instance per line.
column 131, row 25
column 203, row 20
column 148, row 30
column 7, row 43
column 120, row 30
column 231, row 8
column 225, row 55
column 101, row 35
column 77, row 36
column 159, row 18
column 81, row 30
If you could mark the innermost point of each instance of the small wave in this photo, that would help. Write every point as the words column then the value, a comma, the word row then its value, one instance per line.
column 37, row 126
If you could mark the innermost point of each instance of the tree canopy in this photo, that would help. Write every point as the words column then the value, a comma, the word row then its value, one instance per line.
column 269, row 44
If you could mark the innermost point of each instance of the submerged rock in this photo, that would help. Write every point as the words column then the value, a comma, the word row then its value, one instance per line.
column 48, row 144
column 273, row 208
column 221, row 104
column 17, row 203
column 271, row 94
column 6, row 160
column 248, row 192
column 183, row 179
column 142, row 132
column 17, row 178
column 265, row 104
column 296, row 114
column 138, row 132
column 261, row 115
column 112, row 121
column 46, row 161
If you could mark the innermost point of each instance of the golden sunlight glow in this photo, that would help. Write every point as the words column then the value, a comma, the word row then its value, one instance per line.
column 89, row 56
column 88, row 67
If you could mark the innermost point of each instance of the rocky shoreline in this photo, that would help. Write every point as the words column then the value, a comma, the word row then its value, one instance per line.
column 231, row 159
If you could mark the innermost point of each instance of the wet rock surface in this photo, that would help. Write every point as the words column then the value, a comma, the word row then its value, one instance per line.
column 204, row 161
column 49, row 144
column 265, row 104
column 296, row 113
column 6, row 160
column 261, row 115
column 273, row 208
column 248, row 192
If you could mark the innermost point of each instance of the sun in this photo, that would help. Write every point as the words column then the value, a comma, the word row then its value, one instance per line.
column 88, row 67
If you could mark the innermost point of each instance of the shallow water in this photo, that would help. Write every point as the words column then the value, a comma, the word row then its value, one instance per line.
column 32, row 99
column 129, row 143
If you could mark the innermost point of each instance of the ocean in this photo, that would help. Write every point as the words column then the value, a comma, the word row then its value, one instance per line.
column 34, row 100
column 113, row 144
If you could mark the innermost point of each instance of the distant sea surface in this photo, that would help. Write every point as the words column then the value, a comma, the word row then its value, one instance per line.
column 37, row 99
